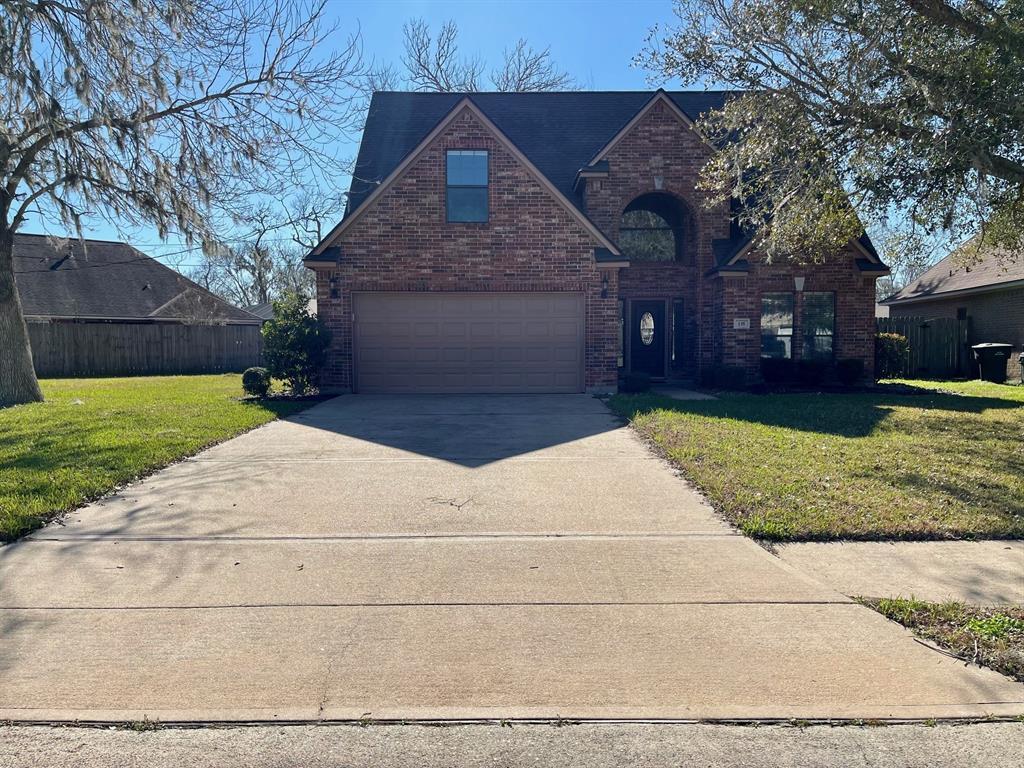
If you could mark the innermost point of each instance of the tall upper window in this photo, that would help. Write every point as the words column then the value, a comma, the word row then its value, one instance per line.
column 466, row 178
column 777, row 325
column 818, row 324
column 654, row 228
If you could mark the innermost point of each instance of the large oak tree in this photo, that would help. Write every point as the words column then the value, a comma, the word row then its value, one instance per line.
column 912, row 108
column 169, row 113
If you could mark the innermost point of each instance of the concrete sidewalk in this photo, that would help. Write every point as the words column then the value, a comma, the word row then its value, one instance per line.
column 978, row 572
column 401, row 558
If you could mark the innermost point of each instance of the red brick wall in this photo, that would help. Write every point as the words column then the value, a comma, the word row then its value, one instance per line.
column 660, row 144
column 854, row 306
column 531, row 243
column 995, row 316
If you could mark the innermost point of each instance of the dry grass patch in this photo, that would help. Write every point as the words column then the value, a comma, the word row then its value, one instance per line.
column 992, row 637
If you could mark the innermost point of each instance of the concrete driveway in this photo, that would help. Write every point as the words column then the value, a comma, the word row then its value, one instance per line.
column 441, row 558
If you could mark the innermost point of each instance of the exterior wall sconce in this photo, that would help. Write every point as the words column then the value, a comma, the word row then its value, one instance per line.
column 798, row 283
column 332, row 284
column 604, row 286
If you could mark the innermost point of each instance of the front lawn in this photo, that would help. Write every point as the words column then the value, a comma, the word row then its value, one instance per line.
column 993, row 637
column 92, row 435
column 948, row 463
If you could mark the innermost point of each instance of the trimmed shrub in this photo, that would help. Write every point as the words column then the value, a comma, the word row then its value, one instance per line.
column 776, row 370
column 295, row 344
column 811, row 372
column 850, row 371
column 725, row 377
column 730, row 377
column 891, row 351
column 256, row 381
column 636, row 381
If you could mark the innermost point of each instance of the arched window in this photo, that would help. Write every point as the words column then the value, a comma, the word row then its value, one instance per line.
column 654, row 227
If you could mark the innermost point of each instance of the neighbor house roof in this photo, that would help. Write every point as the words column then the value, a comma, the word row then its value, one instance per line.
column 99, row 279
column 264, row 311
column 957, row 274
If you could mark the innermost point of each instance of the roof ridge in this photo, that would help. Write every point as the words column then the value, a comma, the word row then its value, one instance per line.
column 75, row 238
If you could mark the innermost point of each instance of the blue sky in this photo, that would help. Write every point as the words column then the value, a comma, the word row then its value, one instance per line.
column 594, row 40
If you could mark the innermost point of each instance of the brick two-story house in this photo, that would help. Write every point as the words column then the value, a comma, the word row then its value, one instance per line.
column 548, row 242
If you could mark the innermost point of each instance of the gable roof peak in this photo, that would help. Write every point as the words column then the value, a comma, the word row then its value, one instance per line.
column 464, row 103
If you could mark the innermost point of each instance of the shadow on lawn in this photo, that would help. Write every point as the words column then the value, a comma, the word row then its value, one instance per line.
column 843, row 415
column 957, row 459
column 42, row 461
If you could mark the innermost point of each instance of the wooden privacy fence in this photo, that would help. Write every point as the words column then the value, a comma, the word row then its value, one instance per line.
column 937, row 347
column 136, row 349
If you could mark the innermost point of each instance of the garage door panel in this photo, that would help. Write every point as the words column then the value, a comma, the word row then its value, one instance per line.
column 436, row 342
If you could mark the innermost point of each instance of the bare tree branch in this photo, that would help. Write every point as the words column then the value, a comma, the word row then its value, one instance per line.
column 167, row 113
column 435, row 64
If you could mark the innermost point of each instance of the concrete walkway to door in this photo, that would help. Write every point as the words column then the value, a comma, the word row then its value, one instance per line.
column 441, row 557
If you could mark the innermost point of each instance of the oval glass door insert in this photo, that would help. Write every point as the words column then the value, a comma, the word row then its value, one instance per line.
column 647, row 328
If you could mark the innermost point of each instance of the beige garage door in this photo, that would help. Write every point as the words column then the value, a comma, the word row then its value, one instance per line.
column 468, row 342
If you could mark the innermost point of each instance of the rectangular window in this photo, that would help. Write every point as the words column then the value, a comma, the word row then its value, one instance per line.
column 466, row 179
column 818, row 325
column 777, row 325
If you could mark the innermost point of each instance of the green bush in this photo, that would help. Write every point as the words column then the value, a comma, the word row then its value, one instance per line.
column 256, row 381
column 811, row 372
column 730, row 376
column 295, row 344
column 849, row 371
column 776, row 370
column 890, row 355
column 636, row 381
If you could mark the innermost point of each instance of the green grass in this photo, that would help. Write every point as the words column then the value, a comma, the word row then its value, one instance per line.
column 948, row 463
column 92, row 435
column 990, row 636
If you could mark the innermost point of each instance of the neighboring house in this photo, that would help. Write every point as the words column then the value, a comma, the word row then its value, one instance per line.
column 96, row 307
column 264, row 311
column 988, row 294
column 547, row 242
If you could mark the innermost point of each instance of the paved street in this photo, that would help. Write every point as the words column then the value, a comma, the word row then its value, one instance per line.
column 575, row 746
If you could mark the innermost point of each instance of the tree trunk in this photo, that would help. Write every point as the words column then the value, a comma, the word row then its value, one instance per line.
column 18, row 382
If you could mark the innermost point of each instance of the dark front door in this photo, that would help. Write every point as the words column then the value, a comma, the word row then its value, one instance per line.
column 647, row 337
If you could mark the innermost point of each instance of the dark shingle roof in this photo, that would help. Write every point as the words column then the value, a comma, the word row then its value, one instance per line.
column 994, row 270
column 560, row 132
column 264, row 311
column 103, row 279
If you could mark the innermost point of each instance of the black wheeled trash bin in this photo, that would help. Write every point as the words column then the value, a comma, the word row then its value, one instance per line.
column 991, row 360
